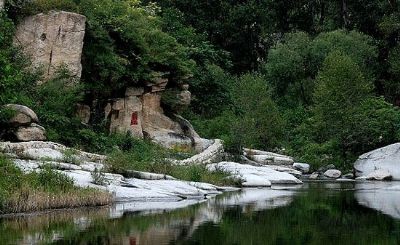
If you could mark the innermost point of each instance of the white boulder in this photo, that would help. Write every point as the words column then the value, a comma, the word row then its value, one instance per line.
column 385, row 158
column 333, row 173
column 314, row 176
column 46, row 150
column 253, row 175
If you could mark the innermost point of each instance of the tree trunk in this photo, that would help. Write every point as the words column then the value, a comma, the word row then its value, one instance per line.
column 345, row 14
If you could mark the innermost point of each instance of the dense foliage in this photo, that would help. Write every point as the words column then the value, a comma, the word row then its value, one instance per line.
column 318, row 79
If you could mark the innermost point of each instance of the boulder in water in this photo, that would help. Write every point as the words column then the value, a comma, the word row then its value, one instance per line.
column 333, row 173
column 303, row 167
column 385, row 158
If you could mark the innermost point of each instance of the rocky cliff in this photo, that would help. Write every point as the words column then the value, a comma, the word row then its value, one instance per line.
column 55, row 40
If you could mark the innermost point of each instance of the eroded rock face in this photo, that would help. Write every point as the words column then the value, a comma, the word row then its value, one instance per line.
column 140, row 114
column 125, row 116
column 53, row 40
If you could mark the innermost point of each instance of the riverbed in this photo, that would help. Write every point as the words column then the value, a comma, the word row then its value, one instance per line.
column 313, row 213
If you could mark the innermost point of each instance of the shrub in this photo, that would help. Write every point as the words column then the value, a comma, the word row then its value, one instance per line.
column 51, row 180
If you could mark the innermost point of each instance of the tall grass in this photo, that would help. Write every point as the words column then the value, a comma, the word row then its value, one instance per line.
column 46, row 189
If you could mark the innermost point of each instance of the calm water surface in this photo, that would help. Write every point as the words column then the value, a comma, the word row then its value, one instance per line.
column 315, row 213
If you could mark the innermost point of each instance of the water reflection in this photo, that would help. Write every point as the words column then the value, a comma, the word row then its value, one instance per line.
column 316, row 213
column 381, row 196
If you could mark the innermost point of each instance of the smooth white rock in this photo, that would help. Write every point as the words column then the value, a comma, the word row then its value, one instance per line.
column 46, row 150
column 314, row 176
column 92, row 166
column 385, row 158
column 145, row 190
column 333, row 173
column 254, row 175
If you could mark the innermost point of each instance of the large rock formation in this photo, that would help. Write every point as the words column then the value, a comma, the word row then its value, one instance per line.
column 386, row 158
column 53, row 40
column 140, row 114
column 56, row 39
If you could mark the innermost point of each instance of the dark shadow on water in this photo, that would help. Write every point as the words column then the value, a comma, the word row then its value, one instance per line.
column 315, row 213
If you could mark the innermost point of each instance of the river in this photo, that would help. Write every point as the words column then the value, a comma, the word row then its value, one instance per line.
column 314, row 213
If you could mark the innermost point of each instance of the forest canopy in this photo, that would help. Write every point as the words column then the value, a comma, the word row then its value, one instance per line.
column 316, row 79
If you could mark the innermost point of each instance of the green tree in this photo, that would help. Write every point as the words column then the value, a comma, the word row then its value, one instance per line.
column 346, row 112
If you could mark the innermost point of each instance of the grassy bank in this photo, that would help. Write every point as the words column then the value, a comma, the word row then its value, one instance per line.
column 43, row 190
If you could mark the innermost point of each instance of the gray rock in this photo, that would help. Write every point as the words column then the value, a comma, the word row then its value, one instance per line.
column 333, row 173
column 379, row 174
column 303, row 167
column 1, row 4
column 24, row 115
column 83, row 113
column 33, row 132
column 314, row 176
column 348, row 176
column 385, row 158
